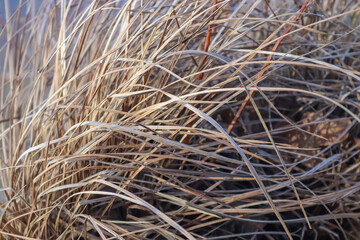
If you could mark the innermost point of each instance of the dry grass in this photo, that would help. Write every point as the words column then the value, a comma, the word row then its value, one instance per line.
column 121, row 120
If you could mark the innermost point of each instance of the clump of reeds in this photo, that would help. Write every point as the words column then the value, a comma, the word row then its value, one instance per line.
column 180, row 119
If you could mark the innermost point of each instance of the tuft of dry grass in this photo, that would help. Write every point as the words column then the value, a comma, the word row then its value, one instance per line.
column 169, row 119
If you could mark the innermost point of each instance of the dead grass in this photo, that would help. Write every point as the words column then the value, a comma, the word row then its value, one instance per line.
column 180, row 120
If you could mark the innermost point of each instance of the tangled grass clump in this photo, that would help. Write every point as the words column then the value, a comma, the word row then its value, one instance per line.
column 169, row 119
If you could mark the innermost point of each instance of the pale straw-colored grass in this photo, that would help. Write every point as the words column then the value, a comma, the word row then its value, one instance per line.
column 180, row 119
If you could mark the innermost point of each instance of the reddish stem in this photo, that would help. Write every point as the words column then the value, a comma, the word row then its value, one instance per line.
column 206, row 48
column 263, row 69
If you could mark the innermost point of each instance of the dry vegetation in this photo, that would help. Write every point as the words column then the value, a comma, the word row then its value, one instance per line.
column 186, row 119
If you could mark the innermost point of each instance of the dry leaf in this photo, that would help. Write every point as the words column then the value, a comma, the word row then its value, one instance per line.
column 357, row 142
column 326, row 132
